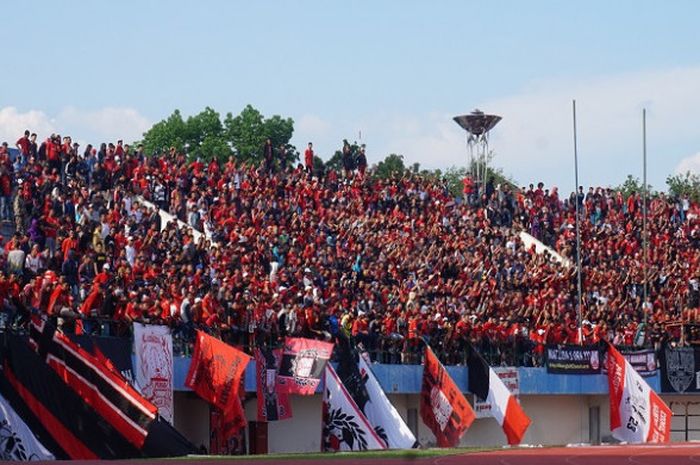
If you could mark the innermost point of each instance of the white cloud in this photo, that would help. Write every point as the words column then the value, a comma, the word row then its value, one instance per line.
column 691, row 163
column 534, row 139
column 13, row 123
column 101, row 125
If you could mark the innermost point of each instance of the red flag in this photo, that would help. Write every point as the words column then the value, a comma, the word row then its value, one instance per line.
column 637, row 413
column 272, row 405
column 215, row 372
column 303, row 361
column 443, row 408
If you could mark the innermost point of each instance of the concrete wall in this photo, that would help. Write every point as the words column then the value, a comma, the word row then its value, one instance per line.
column 192, row 417
column 556, row 420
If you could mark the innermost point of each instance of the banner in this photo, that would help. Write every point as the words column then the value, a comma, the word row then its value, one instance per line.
column 573, row 359
column 343, row 426
column 102, row 388
column 272, row 405
column 510, row 378
column 78, row 407
column 303, row 361
column 215, row 375
column 679, row 369
column 17, row 442
column 117, row 350
column 443, row 407
column 153, row 348
column 637, row 413
column 643, row 361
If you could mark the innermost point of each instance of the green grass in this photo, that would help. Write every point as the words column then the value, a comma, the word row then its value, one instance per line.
column 382, row 454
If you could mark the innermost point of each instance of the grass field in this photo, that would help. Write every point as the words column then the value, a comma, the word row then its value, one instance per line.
column 372, row 454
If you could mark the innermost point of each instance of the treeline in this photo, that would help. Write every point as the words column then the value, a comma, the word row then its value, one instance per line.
column 206, row 135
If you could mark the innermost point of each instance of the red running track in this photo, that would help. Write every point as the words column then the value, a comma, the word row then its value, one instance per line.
column 675, row 454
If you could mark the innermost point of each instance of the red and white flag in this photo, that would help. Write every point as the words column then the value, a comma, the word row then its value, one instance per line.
column 637, row 414
column 488, row 387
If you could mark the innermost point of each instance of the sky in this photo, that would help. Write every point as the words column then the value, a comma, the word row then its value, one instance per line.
column 394, row 72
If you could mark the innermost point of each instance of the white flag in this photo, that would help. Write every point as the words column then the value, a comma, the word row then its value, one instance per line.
column 17, row 442
column 343, row 425
column 153, row 347
column 382, row 415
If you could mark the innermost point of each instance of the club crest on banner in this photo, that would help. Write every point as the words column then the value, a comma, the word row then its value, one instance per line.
column 680, row 368
column 303, row 364
column 156, row 369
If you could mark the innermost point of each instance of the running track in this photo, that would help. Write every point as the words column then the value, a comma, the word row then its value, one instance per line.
column 676, row 454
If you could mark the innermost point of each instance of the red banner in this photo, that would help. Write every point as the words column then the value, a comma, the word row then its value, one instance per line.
column 303, row 361
column 443, row 408
column 215, row 374
column 272, row 405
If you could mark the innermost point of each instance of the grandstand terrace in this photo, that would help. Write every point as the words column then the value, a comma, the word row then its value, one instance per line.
column 262, row 252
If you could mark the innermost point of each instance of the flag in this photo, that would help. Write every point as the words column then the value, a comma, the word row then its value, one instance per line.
column 17, row 440
column 272, row 406
column 153, row 350
column 443, row 408
column 103, row 389
column 637, row 414
column 358, row 379
column 343, row 425
column 488, row 387
column 383, row 416
column 302, row 364
column 75, row 405
column 215, row 375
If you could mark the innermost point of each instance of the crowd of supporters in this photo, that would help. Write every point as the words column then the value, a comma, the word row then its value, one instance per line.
column 262, row 252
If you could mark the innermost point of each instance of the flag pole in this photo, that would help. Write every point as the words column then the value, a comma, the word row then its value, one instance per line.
column 578, row 233
column 645, row 243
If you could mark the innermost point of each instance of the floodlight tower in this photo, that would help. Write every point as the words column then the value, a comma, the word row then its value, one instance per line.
column 478, row 124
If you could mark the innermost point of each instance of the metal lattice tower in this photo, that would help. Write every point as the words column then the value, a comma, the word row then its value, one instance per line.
column 478, row 124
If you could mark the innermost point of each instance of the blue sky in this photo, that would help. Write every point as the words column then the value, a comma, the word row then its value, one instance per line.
column 395, row 70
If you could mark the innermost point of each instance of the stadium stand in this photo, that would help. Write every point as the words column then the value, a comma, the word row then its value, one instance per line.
column 258, row 254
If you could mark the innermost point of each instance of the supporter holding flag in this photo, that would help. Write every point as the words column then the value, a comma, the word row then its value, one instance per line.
column 488, row 387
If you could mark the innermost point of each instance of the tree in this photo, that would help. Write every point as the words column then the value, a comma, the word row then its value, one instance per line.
column 170, row 132
column 205, row 135
column 200, row 135
column 391, row 166
column 248, row 132
column 632, row 185
column 684, row 184
column 335, row 163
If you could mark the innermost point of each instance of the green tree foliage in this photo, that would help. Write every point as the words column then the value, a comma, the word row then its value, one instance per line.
column 391, row 166
column 633, row 185
column 335, row 163
column 205, row 135
column 684, row 184
column 170, row 132
column 248, row 131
